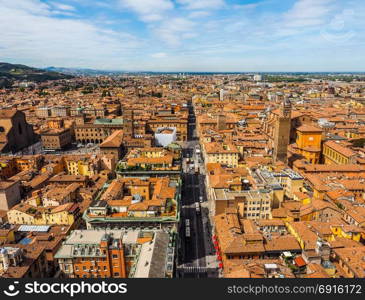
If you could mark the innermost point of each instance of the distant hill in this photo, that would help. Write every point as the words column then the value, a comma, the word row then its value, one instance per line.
column 13, row 72
column 84, row 72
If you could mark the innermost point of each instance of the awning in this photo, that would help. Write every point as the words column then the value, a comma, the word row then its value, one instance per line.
column 287, row 254
column 299, row 261
column 34, row 228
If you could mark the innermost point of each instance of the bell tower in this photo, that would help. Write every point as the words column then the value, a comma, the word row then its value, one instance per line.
column 128, row 118
column 282, row 132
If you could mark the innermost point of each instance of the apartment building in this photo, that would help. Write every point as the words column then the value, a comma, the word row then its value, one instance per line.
column 252, row 205
column 88, row 254
column 238, row 240
column 113, row 145
column 66, row 214
column 115, row 254
column 179, row 122
column 151, row 161
column 43, row 112
column 223, row 153
column 335, row 153
column 56, row 196
column 9, row 194
column 56, row 139
column 83, row 165
column 60, row 111
column 97, row 131
column 23, row 261
column 351, row 261
column 135, row 202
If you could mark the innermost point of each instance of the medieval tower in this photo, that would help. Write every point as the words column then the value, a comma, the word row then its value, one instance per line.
column 128, row 119
column 282, row 132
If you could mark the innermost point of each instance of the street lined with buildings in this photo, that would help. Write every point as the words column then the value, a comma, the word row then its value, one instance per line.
column 197, row 248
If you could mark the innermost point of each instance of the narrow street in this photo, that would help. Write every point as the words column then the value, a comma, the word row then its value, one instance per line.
column 194, row 249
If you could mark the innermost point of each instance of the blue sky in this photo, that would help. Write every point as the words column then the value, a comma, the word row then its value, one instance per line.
column 185, row 35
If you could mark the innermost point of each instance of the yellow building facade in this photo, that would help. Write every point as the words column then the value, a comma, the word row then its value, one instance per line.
column 309, row 139
column 7, row 236
column 79, row 166
column 30, row 215
column 346, row 232
column 334, row 153
column 226, row 154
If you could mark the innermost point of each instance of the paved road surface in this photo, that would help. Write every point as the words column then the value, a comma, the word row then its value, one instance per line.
column 194, row 250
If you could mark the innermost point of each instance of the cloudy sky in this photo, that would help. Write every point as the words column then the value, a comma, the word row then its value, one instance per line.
column 185, row 35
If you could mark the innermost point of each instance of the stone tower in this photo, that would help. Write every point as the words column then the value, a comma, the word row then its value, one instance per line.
column 128, row 119
column 282, row 132
column 221, row 122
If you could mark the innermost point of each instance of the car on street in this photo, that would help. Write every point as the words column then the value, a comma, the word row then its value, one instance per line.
column 197, row 207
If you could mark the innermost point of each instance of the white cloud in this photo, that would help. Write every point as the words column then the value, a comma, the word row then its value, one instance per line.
column 61, row 6
column 30, row 6
column 246, row 6
column 159, row 55
column 31, row 34
column 173, row 31
column 308, row 13
column 199, row 14
column 201, row 4
column 64, row 13
column 148, row 10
